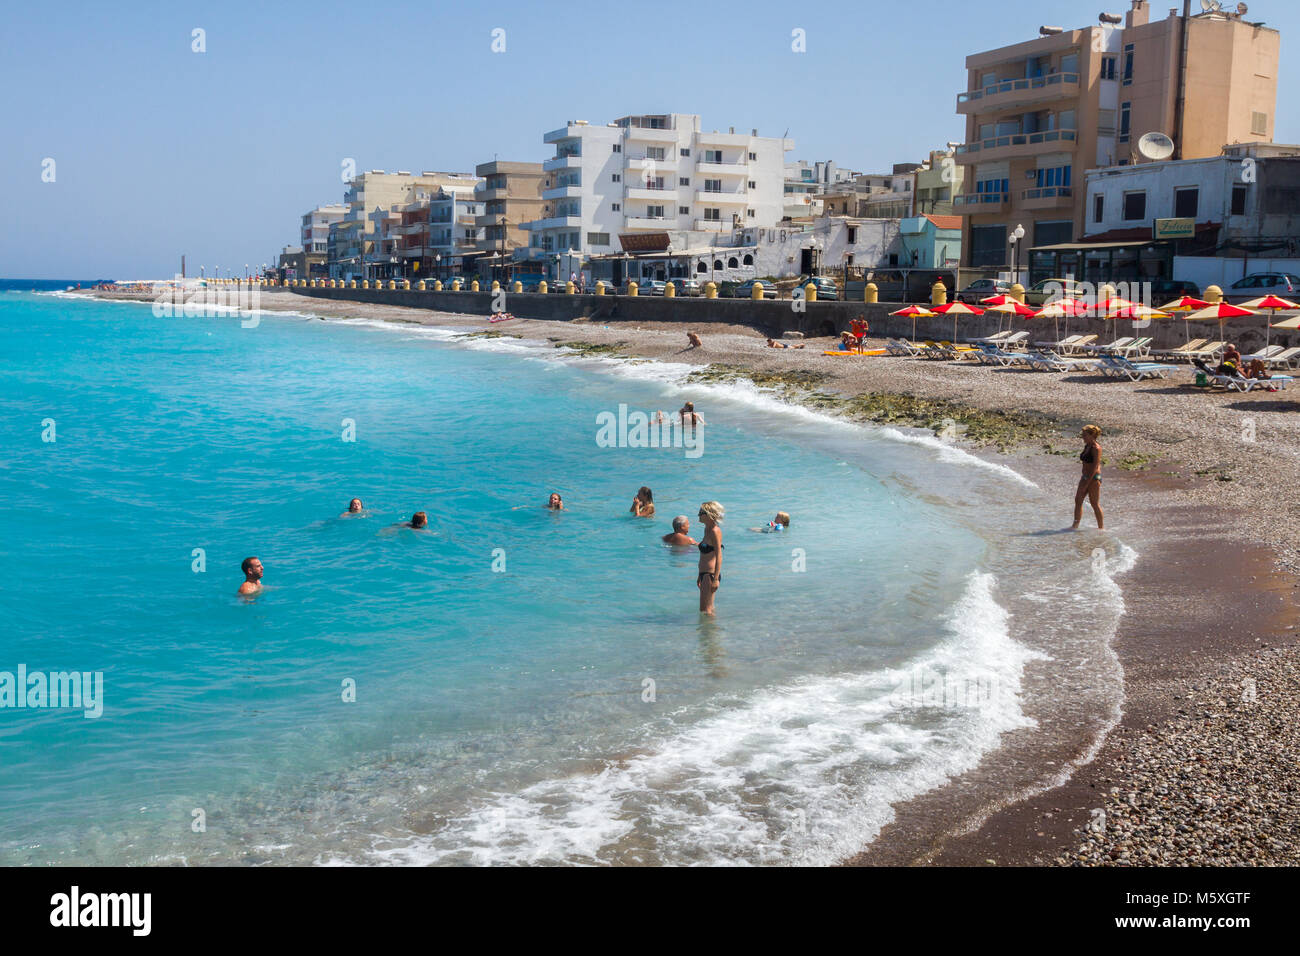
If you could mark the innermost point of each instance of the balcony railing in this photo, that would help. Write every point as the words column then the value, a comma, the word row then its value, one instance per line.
column 971, row 202
column 1017, row 139
column 1010, row 86
column 1047, row 192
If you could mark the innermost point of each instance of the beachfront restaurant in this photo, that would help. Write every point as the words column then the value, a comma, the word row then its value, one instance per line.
column 1130, row 255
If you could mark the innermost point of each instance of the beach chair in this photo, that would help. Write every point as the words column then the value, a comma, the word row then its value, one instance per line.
column 930, row 350
column 995, row 337
column 1284, row 359
column 1063, row 344
column 956, row 352
column 1136, row 347
column 1208, row 351
column 1185, row 351
column 1080, row 344
column 1043, row 361
column 1111, row 347
column 1264, row 354
column 1117, row 366
column 1017, row 341
column 901, row 347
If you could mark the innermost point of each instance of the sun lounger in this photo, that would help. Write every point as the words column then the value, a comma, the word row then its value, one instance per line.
column 1183, row 351
column 1064, row 343
column 901, row 347
column 1081, row 344
column 994, row 355
column 1117, row 366
column 1043, row 361
column 1284, row 359
column 1117, row 344
column 1136, row 347
column 1263, row 354
column 1208, row 351
column 995, row 337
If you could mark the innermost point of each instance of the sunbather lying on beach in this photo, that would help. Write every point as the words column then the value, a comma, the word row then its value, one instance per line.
column 774, row 344
column 1256, row 369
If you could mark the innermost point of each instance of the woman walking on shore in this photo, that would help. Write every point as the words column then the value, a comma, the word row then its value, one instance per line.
column 710, row 576
column 1090, row 482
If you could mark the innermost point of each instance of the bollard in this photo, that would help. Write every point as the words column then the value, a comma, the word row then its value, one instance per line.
column 392, row 284
column 756, row 292
column 406, row 285
column 437, row 285
column 420, row 286
column 870, row 293
column 455, row 285
column 810, row 292
column 569, row 287
column 600, row 287
column 670, row 290
column 938, row 293
column 542, row 287
column 1213, row 294
column 519, row 286
column 473, row 286
column 496, row 286
column 1018, row 292
column 631, row 288
column 710, row 290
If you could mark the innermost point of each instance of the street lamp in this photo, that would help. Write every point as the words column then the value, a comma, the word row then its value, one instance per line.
column 1017, row 234
column 437, row 264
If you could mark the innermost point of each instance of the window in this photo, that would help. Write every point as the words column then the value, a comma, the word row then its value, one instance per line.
column 752, row 184
column 713, row 156
column 1128, row 64
column 1070, row 63
column 683, row 181
column 654, row 152
column 713, row 185
column 683, row 210
column 615, row 207
column 893, row 258
column 1125, row 121
column 1053, row 176
column 685, row 152
column 1239, row 200
column 1135, row 206
column 654, row 212
column 853, row 235
column 597, row 238
column 753, row 156
column 749, row 213
column 1258, row 124
column 1105, row 122
column 618, row 148
column 1108, row 67
column 617, row 178
column 988, row 246
column 713, row 215
column 1098, row 207
column 748, row 260
column 1186, row 202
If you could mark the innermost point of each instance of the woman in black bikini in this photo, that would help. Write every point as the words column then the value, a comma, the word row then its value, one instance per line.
column 1090, row 482
column 710, row 576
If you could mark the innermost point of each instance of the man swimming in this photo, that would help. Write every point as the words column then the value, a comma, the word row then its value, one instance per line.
column 354, row 507
column 680, row 536
column 419, row 521
column 252, row 568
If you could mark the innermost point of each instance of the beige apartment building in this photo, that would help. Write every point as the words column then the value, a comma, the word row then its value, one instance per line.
column 511, row 194
column 1042, row 112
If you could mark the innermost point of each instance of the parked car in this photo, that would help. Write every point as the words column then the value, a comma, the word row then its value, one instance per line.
column 1166, row 290
column 686, row 287
column 1257, row 284
column 650, row 286
column 826, row 287
column 1044, row 290
column 982, row 289
column 746, row 290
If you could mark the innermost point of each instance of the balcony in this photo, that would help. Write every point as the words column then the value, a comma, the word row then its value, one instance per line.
column 663, row 195
column 555, row 222
column 722, row 169
column 487, row 195
column 724, row 139
column 1047, row 197
column 1014, row 146
column 571, row 161
column 713, row 225
column 645, row 222
column 562, row 192
column 708, row 197
column 970, row 204
column 1010, row 94
column 646, row 134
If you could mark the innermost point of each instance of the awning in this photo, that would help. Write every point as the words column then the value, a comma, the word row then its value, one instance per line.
column 1096, row 246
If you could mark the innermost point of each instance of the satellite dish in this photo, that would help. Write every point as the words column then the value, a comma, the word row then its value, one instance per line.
column 1156, row 146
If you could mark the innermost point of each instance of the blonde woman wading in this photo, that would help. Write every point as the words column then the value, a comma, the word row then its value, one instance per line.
column 1090, row 481
column 710, row 576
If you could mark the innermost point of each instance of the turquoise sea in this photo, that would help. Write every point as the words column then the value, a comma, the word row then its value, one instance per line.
column 528, row 687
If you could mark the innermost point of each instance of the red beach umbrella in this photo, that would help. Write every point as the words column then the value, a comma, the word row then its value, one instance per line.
column 1222, row 311
column 1274, row 304
column 955, row 309
column 915, row 312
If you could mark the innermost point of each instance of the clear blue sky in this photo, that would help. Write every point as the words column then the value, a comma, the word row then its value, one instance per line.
column 160, row 150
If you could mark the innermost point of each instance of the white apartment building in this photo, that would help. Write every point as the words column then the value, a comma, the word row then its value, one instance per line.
column 316, row 227
column 645, row 176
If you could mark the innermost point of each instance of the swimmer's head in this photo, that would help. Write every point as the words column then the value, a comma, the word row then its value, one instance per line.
column 681, row 524
column 783, row 518
column 252, row 568
column 419, row 520
column 354, row 505
column 712, row 511
column 556, row 501
column 645, row 494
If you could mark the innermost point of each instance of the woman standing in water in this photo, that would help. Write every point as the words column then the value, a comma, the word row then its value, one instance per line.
column 710, row 576
column 643, row 505
column 1090, row 482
